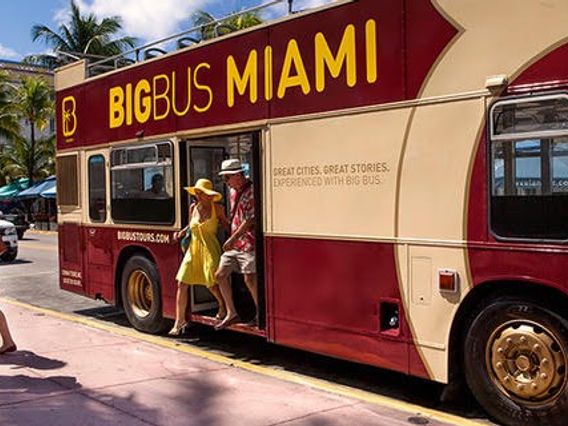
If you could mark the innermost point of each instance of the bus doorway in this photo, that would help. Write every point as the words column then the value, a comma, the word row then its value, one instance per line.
column 204, row 158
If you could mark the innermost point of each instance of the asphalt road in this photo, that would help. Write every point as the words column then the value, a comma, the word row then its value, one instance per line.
column 32, row 279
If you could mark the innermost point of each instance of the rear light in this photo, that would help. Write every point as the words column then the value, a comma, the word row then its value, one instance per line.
column 448, row 280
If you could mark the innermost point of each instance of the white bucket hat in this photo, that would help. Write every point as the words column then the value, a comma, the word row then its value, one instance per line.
column 230, row 167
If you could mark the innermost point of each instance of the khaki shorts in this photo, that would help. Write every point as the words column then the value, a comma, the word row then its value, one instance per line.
column 237, row 261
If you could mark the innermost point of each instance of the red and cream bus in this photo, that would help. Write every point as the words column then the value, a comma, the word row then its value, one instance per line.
column 410, row 169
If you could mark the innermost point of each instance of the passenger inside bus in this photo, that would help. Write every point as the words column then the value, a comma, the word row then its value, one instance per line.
column 156, row 189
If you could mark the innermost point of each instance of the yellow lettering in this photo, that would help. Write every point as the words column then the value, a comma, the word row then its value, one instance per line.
column 116, row 107
column 163, row 96
column 202, row 87
column 248, row 79
column 128, row 104
column 142, row 104
column 293, row 58
column 345, row 55
column 371, row 49
column 69, row 108
column 268, row 88
column 174, row 85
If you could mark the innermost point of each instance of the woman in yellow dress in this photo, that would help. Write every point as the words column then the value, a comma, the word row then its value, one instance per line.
column 202, row 256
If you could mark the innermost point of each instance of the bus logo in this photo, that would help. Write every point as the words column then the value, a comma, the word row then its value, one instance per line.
column 69, row 116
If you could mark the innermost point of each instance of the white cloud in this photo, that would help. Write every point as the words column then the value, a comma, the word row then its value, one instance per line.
column 146, row 19
column 150, row 20
column 298, row 5
column 7, row 53
column 308, row 4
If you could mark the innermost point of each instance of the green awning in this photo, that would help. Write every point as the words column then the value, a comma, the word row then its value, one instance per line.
column 13, row 188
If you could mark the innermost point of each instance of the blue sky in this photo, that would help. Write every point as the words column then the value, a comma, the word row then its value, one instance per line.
column 145, row 19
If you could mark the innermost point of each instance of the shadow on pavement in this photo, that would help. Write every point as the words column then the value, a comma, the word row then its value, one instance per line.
column 30, row 359
column 256, row 350
column 15, row 262
column 30, row 399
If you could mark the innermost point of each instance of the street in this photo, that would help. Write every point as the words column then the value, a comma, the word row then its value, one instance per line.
column 32, row 280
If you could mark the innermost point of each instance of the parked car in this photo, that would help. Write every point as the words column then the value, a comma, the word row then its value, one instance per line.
column 9, row 236
column 19, row 220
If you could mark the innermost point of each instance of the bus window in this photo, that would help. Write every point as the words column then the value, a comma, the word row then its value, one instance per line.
column 142, row 184
column 67, row 181
column 97, row 188
column 529, row 190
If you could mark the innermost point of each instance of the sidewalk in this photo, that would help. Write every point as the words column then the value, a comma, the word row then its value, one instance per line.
column 68, row 373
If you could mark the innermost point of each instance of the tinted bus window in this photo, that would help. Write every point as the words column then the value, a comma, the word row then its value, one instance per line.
column 97, row 188
column 67, row 181
column 529, row 190
column 142, row 184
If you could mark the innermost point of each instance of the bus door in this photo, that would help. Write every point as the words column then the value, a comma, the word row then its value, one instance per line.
column 97, row 237
column 204, row 161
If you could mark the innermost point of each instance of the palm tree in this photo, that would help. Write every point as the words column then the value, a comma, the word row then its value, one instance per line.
column 31, row 157
column 210, row 29
column 9, row 125
column 84, row 36
column 204, row 20
column 22, row 158
column 244, row 20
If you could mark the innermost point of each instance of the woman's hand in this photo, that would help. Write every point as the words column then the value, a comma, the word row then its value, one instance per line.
column 177, row 236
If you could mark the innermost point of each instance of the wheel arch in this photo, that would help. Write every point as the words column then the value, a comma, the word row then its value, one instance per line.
column 125, row 254
column 542, row 294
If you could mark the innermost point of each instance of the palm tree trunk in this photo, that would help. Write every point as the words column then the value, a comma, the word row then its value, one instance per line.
column 31, row 159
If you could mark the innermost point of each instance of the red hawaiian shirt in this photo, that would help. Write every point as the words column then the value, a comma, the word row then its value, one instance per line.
column 243, row 212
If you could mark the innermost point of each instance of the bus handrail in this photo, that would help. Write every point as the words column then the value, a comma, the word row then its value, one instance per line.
column 136, row 51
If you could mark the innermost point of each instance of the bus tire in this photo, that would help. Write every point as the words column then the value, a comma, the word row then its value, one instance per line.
column 141, row 295
column 515, row 359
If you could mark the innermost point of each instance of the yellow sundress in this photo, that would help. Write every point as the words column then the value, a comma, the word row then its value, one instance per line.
column 202, row 256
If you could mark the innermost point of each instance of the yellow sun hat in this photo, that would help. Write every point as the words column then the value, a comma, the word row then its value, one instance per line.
column 205, row 186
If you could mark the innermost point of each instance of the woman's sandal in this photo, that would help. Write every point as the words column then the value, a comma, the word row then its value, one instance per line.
column 220, row 315
column 227, row 322
column 177, row 331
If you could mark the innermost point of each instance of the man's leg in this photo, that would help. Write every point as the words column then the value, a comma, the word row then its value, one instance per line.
column 251, row 282
column 226, row 266
column 216, row 291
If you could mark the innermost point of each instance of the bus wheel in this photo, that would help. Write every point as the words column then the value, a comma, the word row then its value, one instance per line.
column 515, row 358
column 141, row 296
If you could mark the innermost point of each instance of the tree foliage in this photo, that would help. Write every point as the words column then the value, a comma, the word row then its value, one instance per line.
column 27, row 155
column 9, row 125
column 85, row 35
column 210, row 28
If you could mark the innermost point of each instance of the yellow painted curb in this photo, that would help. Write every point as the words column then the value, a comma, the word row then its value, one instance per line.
column 291, row 377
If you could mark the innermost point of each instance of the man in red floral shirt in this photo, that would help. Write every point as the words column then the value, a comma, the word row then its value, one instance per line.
column 239, row 250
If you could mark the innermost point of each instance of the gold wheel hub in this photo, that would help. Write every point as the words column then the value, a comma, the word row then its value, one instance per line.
column 526, row 362
column 140, row 294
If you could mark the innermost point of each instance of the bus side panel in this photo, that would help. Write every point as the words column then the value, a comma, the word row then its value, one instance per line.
column 326, row 298
column 98, row 255
column 71, row 276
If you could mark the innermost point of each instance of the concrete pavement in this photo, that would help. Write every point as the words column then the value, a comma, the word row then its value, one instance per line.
column 69, row 370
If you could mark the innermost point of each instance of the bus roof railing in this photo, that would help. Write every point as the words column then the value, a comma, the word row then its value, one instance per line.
column 97, row 65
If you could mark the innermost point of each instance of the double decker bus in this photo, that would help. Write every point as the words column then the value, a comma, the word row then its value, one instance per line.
column 410, row 170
